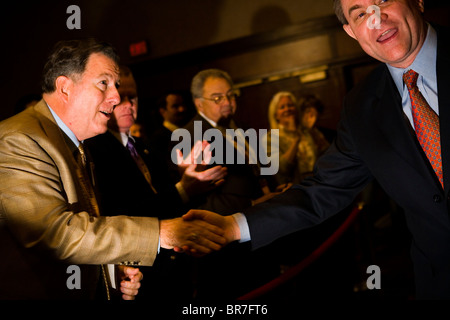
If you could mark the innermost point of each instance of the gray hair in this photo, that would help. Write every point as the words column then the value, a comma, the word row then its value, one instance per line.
column 200, row 78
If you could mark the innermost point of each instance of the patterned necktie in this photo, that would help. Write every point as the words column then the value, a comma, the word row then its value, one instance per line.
column 140, row 162
column 87, row 182
column 249, row 155
column 90, row 194
column 426, row 124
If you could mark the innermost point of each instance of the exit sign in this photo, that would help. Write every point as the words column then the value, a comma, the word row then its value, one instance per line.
column 138, row 48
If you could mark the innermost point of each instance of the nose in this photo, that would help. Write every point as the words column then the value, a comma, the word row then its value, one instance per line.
column 375, row 17
column 229, row 98
column 114, row 96
column 126, row 101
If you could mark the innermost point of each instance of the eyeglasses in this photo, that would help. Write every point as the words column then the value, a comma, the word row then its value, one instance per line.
column 221, row 98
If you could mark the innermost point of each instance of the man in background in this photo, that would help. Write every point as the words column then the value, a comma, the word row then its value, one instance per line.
column 133, row 177
column 395, row 128
column 49, row 215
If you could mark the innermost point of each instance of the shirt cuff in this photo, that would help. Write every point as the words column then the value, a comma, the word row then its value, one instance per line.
column 184, row 196
column 243, row 227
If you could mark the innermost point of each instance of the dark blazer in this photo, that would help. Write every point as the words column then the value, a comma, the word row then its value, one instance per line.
column 232, row 271
column 160, row 141
column 240, row 187
column 376, row 141
column 123, row 188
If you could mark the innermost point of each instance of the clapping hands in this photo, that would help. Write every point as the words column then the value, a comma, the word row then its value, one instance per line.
column 196, row 178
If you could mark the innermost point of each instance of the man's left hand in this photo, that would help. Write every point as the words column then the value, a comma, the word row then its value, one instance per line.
column 131, row 282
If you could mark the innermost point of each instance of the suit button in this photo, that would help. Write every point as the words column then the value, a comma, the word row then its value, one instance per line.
column 437, row 198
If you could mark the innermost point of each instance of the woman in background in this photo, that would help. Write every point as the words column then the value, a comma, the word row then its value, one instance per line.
column 300, row 142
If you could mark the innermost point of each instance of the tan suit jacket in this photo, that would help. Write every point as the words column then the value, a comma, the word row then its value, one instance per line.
column 44, row 222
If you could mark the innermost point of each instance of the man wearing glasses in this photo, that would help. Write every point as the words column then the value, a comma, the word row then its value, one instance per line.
column 231, row 272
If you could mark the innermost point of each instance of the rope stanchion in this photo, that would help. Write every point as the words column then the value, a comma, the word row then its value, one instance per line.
column 295, row 270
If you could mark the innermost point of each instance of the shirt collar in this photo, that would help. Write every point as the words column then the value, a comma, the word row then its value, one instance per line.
column 169, row 125
column 122, row 137
column 424, row 64
column 64, row 128
column 211, row 122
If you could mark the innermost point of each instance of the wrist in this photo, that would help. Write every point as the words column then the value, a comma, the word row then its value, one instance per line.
column 164, row 235
column 235, row 232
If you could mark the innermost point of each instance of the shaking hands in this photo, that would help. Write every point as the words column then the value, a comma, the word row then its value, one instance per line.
column 201, row 237
column 199, row 232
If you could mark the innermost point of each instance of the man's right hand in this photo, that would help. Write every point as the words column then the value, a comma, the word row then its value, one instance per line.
column 226, row 223
column 201, row 236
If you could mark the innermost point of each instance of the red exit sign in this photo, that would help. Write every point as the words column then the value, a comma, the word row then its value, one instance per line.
column 138, row 48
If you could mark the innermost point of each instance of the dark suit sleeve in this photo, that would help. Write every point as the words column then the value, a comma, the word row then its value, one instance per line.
column 339, row 176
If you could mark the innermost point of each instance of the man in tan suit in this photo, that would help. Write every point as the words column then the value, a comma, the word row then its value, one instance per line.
column 49, row 218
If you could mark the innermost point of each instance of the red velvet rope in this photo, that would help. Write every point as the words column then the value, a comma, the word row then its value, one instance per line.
column 295, row 270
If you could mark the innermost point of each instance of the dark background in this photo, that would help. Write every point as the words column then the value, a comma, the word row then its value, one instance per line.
column 265, row 45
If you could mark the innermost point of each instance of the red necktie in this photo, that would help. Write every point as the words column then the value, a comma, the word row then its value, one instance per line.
column 426, row 123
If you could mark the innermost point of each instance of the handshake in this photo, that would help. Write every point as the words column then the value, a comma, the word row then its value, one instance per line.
column 198, row 232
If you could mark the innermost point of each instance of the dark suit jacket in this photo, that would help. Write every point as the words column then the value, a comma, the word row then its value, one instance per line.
column 232, row 271
column 160, row 141
column 375, row 141
column 123, row 188
column 240, row 187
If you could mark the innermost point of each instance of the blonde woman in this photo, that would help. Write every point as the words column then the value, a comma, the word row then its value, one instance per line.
column 300, row 142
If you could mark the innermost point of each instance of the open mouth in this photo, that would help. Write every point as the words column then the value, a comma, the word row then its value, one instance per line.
column 387, row 35
column 106, row 114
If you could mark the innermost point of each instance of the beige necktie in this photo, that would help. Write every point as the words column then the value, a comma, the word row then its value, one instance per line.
column 254, row 166
column 86, row 181
column 90, row 194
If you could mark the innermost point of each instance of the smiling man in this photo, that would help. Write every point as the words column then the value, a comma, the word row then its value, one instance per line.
column 49, row 216
column 381, row 136
column 401, row 35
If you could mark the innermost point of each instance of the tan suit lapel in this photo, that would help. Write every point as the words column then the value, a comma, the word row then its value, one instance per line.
column 70, row 170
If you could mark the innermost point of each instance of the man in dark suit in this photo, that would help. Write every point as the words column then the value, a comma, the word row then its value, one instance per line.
column 175, row 114
column 233, row 271
column 378, row 139
column 123, row 187
column 215, row 100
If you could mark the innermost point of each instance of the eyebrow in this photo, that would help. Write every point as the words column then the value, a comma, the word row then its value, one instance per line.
column 221, row 94
column 355, row 7
column 106, row 74
column 110, row 76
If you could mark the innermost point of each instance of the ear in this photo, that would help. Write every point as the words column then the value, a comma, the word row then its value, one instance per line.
column 349, row 31
column 198, row 104
column 63, row 85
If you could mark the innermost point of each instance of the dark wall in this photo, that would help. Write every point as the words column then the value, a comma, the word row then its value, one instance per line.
column 249, row 38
